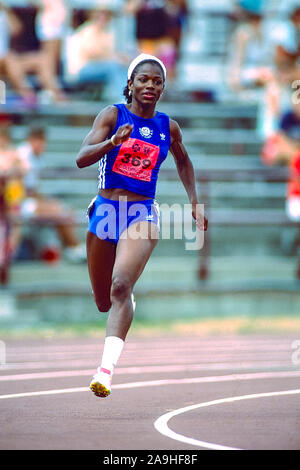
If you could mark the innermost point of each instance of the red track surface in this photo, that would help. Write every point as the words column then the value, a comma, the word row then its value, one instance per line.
column 154, row 376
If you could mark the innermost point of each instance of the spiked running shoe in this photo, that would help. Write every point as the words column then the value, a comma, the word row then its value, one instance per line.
column 101, row 383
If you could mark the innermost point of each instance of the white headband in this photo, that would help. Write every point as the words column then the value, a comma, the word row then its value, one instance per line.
column 141, row 58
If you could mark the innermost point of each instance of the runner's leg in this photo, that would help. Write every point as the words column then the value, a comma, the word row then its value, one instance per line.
column 100, row 258
column 131, row 258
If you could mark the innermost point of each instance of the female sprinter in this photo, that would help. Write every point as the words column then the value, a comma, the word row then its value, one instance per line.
column 130, row 141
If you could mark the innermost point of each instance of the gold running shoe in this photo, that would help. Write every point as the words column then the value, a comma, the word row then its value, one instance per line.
column 101, row 383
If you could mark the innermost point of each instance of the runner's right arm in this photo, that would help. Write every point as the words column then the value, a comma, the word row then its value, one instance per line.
column 96, row 144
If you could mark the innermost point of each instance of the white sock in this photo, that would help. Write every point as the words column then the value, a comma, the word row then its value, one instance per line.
column 113, row 347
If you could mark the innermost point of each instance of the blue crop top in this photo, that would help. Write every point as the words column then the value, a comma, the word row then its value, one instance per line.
column 134, row 165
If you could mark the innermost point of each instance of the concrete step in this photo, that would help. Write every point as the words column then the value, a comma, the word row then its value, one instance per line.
column 67, row 159
column 77, row 134
column 75, row 110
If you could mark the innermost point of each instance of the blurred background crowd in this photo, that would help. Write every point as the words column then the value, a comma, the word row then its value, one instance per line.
column 48, row 48
column 59, row 52
column 64, row 46
column 51, row 48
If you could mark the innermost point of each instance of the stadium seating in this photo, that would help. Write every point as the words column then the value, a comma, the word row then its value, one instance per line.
column 244, row 200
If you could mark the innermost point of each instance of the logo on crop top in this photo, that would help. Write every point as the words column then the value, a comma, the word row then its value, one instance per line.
column 146, row 132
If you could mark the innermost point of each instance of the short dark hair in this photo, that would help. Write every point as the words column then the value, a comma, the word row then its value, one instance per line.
column 37, row 132
column 134, row 72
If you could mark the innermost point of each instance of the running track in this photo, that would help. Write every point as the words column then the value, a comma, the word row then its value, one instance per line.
column 169, row 393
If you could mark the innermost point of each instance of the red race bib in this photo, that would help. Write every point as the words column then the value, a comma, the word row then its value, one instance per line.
column 136, row 159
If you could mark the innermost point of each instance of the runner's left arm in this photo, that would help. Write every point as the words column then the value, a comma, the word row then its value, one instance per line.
column 185, row 171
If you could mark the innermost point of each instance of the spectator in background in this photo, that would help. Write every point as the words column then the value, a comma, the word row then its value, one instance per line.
column 177, row 11
column 10, row 26
column 287, row 36
column 35, row 63
column 277, row 100
column 265, row 59
column 153, row 29
column 92, row 57
column 13, row 169
column 52, row 23
column 283, row 144
column 285, row 150
column 19, row 64
column 290, row 155
column 34, row 60
column 250, row 62
column 290, row 133
column 12, row 166
column 36, row 205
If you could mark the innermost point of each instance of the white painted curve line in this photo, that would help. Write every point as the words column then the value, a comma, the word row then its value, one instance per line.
column 150, row 369
column 159, row 383
column 44, row 392
column 161, row 424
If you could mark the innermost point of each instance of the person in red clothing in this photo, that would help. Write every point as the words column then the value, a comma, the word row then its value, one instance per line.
column 12, row 171
column 293, row 197
column 289, row 154
column 284, row 149
column 293, row 188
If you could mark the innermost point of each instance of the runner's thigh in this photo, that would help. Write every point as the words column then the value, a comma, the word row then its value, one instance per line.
column 133, row 253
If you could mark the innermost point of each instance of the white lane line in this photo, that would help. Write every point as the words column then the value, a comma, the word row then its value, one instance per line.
column 161, row 424
column 44, row 392
column 47, row 375
column 158, row 383
column 209, row 379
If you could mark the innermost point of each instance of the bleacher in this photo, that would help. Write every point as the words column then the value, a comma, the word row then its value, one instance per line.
column 250, row 242
column 245, row 201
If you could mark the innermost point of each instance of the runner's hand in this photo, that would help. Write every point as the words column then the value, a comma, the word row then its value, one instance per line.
column 201, row 221
column 123, row 133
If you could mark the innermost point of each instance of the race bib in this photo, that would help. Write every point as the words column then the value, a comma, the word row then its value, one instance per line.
column 136, row 159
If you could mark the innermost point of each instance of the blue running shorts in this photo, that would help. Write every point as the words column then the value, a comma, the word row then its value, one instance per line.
column 108, row 218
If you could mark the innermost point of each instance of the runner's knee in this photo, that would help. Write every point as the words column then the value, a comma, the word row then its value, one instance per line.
column 103, row 305
column 120, row 288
